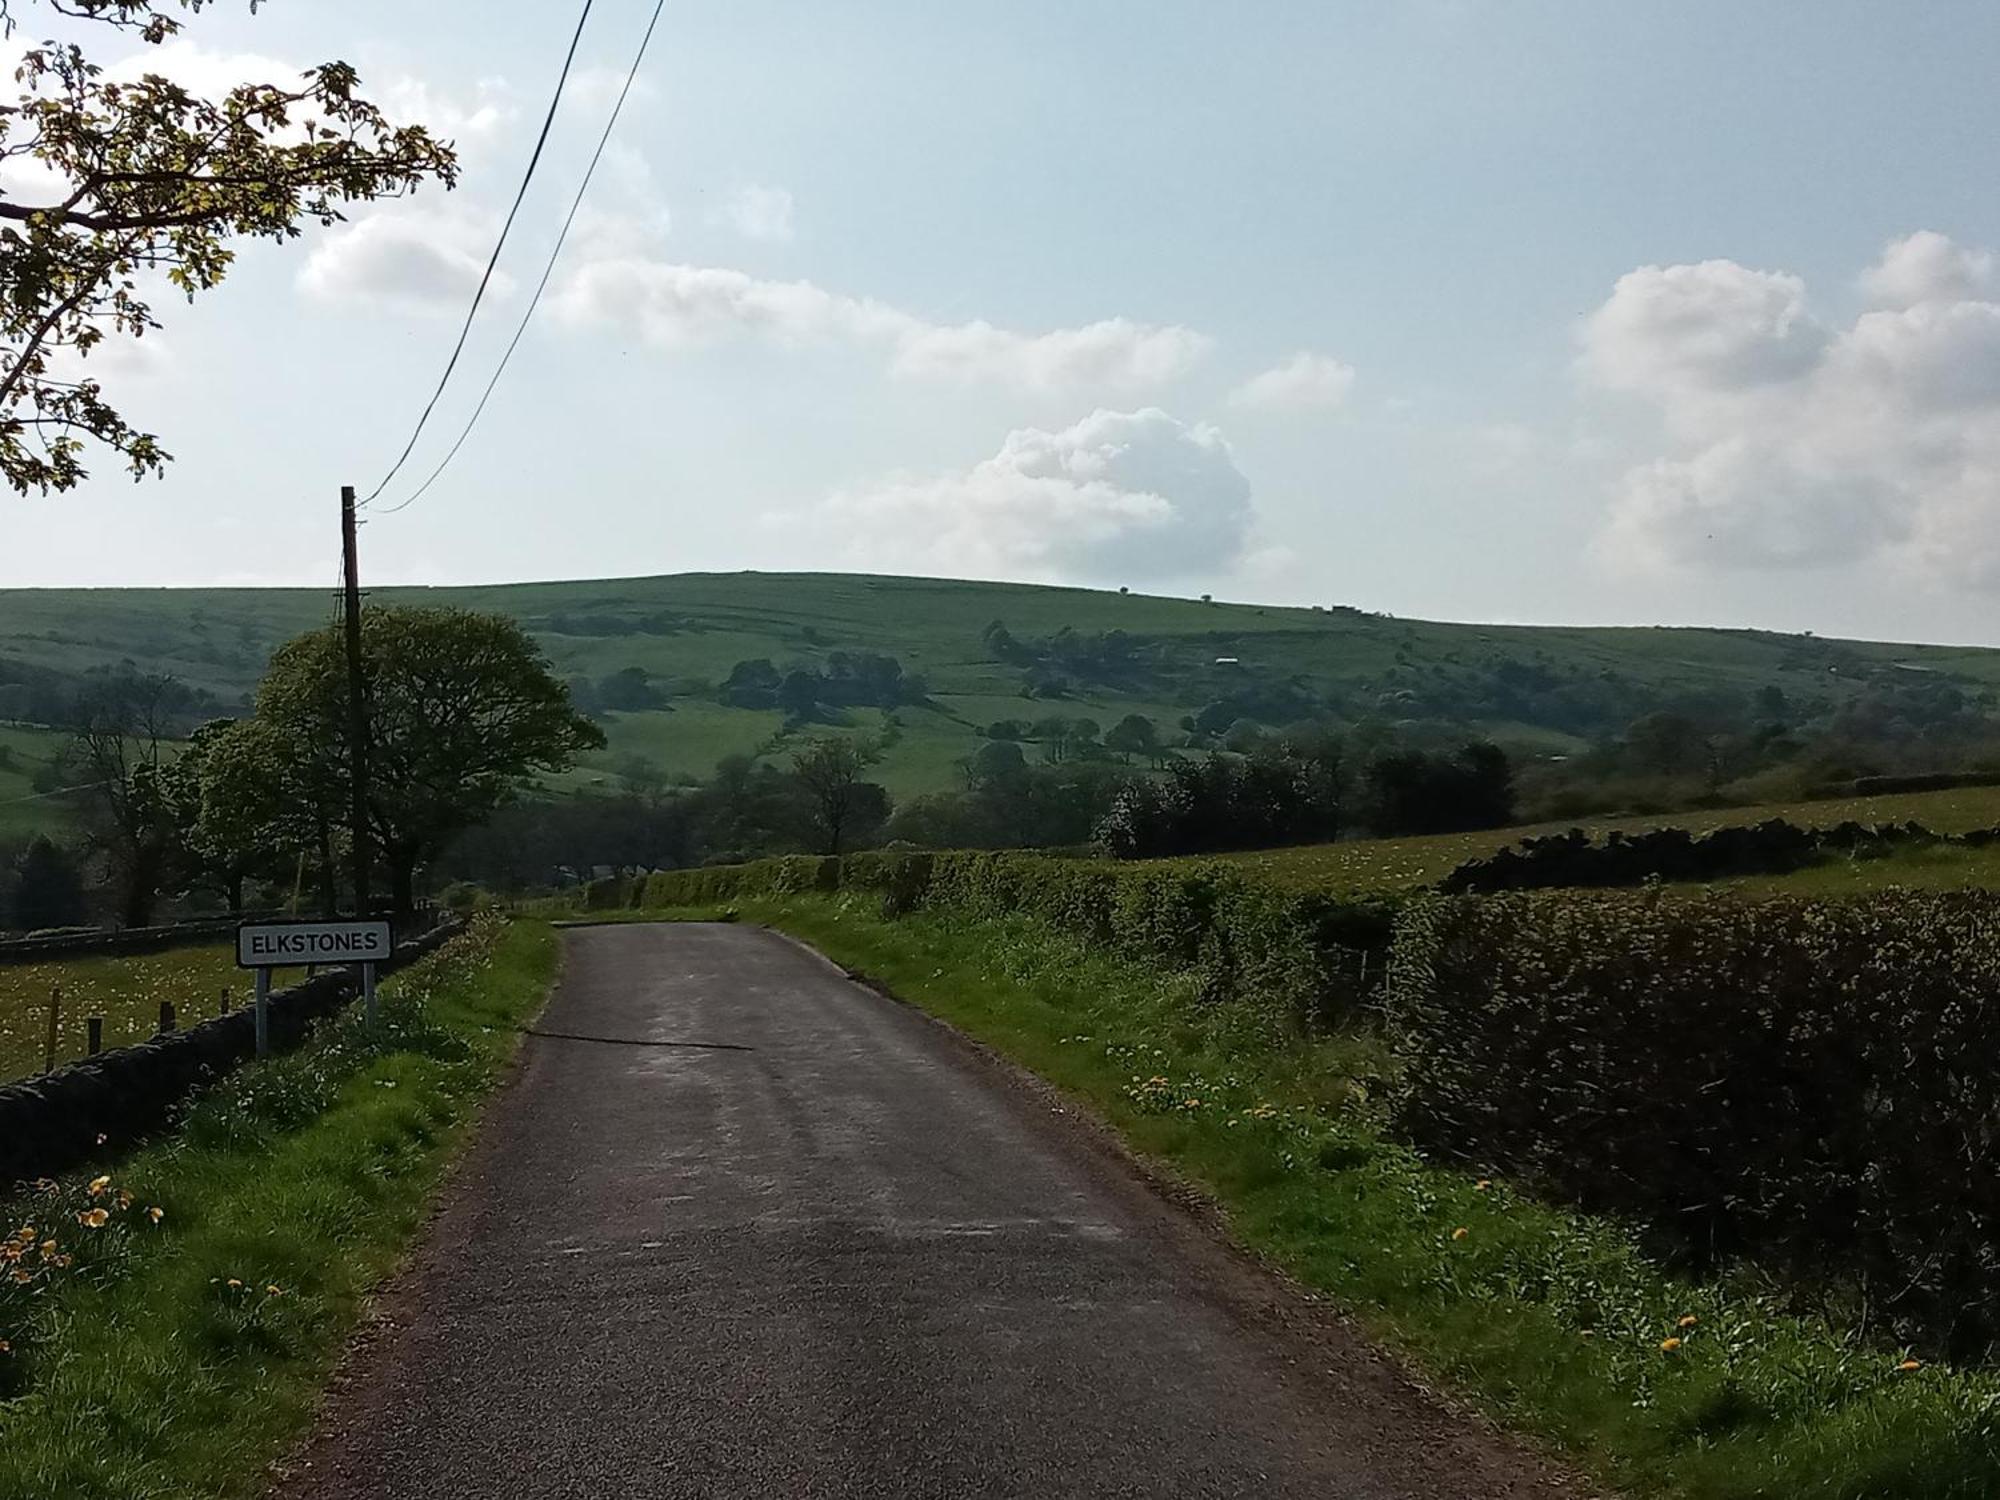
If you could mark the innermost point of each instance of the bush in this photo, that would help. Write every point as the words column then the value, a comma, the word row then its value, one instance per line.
column 1809, row 1082
column 1299, row 960
column 611, row 893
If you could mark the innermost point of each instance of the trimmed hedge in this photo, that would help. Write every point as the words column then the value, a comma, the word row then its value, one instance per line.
column 1813, row 1083
column 1302, row 959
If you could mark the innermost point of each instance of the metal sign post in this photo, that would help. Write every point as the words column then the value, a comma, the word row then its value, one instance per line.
column 264, row 946
column 263, row 1012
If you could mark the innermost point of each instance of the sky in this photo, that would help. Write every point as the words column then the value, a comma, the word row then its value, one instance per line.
column 1511, row 310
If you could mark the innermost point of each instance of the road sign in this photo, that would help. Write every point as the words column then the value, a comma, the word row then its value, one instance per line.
column 287, row 945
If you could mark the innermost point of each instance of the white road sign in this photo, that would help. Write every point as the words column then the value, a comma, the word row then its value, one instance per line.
column 285, row 945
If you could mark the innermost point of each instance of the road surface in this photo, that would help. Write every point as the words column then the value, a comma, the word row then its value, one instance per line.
column 741, row 1226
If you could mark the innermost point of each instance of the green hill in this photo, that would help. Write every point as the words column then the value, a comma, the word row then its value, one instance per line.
column 1074, row 652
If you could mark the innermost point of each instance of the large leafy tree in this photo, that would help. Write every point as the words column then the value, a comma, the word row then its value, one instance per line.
column 136, row 807
column 463, row 711
column 840, row 806
column 147, row 183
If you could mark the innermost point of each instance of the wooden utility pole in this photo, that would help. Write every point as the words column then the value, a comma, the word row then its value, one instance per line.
column 357, row 702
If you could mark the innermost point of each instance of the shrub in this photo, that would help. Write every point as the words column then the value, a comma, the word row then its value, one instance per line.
column 1809, row 1082
column 608, row 894
column 1298, row 960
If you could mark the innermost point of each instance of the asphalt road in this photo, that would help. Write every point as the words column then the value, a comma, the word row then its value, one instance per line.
column 745, row 1227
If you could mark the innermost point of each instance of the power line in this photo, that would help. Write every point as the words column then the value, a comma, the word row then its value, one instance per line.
column 493, row 261
column 548, row 270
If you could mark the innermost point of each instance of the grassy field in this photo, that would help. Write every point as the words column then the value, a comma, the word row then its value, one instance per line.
column 126, row 992
column 1554, row 1323
column 1366, row 865
column 23, row 752
column 689, row 630
column 180, row 1357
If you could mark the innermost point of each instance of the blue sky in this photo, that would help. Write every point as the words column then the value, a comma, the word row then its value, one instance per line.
column 1522, row 311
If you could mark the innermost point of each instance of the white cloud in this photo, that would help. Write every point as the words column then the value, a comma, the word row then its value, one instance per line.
column 677, row 307
column 758, row 213
column 1119, row 497
column 467, row 122
column 1926, row 267
column 1304, row 382
column 1713, row 326
column 408, row 259
column 1113, row 354
column 1792, row 444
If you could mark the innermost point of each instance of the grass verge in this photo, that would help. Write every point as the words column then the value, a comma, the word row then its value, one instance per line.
column 178, row 1354
column 1557, row 1324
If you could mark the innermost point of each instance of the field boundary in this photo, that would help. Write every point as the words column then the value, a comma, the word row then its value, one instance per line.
column 54, row 1122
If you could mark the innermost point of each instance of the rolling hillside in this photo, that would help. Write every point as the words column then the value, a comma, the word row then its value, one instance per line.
column 1073, row 652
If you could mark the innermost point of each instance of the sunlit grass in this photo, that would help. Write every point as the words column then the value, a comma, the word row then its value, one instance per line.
column 191, row 1354
column 1556, row 1323
column 125, row 992
column 1369, row 865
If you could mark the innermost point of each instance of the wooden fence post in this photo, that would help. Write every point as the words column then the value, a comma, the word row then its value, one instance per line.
column 96, row 1025
column 55, row 1027
column 166, row 1016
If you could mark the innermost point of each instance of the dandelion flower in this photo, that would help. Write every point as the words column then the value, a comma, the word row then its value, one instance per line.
column 274, row 1291
column 1460, row 1233
column 1688, row 1322
column 1482, row 1185
column 235, row 1284
column 1670, row 1345
column 1910, row 1364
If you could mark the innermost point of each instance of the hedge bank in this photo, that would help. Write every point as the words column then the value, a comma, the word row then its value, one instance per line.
column 1814, row 1084
column 1295, row 959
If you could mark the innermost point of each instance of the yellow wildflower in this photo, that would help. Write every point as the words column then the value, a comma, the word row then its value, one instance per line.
column 1670, row 1345
column 1688, row 1322
column 156, row 1213
column 98, row 1185
column 1460, row 1233
column 96, row 1218
column 1910, row 1364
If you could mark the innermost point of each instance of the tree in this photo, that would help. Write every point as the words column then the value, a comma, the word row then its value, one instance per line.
column 48, row 889
column 258, row 805
column 840, row 806
column 136, row 809
column 1135, row 734
column 462, row 712
column 151, row 180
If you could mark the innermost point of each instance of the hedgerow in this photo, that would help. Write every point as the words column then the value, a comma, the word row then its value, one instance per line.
column 1293, row 959
column 1810, row 1083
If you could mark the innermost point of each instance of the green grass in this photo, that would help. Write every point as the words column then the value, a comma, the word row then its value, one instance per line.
column 690, row 629
column 23, row 810
column 141, row 1373
column 126, row 992
column 1552, row 1322
column 1365, row 865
